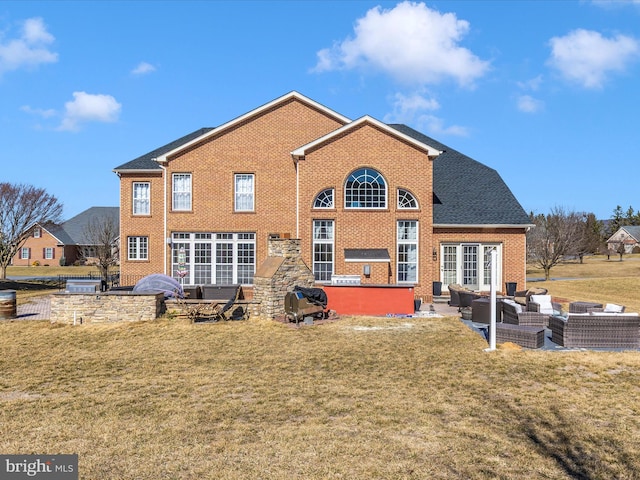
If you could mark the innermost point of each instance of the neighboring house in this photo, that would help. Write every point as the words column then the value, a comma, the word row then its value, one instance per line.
column 65, row 243
column 383, row 202
column 629, row 235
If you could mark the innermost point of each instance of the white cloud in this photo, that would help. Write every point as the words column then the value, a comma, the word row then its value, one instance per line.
column 435, row 126
column 410, row 42
column 587, row 58
column 531, row 84
column 528, row 104
column 615, row 3
column 87, row 107
column 143, row 68
column 29, row 50
column 407, row 107
column 38, row 111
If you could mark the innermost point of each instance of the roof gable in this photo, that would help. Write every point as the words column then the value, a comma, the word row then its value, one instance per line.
column 303, row 150
column 248, row 116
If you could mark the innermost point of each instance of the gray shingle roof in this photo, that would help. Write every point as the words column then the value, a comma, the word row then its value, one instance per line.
column 633, row 230
column 72, row 231
column 466, row 192
column 147, row 161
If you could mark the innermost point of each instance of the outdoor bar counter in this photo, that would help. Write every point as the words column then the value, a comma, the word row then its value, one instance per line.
column 370, row 299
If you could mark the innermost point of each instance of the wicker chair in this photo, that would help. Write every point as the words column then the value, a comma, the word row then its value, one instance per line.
column 522, row 297
column 596, row 330
column 519, row 316
column 461, row 296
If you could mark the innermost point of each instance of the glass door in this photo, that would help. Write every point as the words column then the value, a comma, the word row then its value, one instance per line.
column 470, row 266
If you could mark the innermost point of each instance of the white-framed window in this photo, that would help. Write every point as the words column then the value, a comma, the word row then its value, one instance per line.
column 216, row 258
column 469, row 264
column 407, row 255
column 48, row 253
column 324, row 199
column 141, row 198
column 244, row 192
column 138, row 248
column 25, row 253
column 406, row 200
column 323, row 247
column 37, row 232
column 181, row 192
column 365, row 188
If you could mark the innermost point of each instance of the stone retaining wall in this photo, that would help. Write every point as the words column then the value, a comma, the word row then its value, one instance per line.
column 107, row 307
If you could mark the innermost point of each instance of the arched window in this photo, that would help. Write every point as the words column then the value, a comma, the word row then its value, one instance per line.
column 324, row 199
column 365, row 188
column 406, row 200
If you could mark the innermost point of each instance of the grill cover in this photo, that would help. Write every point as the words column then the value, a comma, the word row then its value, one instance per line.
column 160, row 282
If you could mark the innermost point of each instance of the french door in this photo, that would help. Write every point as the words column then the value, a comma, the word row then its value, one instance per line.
column 468, row 264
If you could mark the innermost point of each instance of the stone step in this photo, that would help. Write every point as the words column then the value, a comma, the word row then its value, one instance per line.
column 441, row 299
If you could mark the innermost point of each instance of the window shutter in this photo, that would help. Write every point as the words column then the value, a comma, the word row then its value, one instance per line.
column 53, row 252
column 29, row 253
column 44, row 252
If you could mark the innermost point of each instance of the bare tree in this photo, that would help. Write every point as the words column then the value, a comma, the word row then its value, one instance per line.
column 554, row 237
column 100, row 236
column 21, row 208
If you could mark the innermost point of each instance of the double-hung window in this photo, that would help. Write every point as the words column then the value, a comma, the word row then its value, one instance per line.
column 141, row 198
column 407, row 257
column 181, row 191
column 138, row 248
column 323, row 235
column 244, row 192
column 25, row 253
column 48, row 253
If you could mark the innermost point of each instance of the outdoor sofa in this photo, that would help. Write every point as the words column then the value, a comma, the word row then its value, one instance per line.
column 596, row 330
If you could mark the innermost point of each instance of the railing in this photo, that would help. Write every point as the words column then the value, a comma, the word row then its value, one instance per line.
column 114, row 278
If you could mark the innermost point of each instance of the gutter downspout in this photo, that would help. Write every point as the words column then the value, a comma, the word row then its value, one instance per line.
column 297, row 199
column 164, row 219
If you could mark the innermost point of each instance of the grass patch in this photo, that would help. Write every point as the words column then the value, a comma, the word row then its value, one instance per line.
column 360, row 398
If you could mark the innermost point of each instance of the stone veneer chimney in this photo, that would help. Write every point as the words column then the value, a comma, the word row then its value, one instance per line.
column 282, row 270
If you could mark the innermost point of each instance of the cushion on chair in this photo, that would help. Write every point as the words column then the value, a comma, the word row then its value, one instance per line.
column 544, row 302
column 515, row 305
column 613, row 308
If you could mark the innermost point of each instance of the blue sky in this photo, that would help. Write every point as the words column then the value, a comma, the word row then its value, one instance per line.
column 545, row 92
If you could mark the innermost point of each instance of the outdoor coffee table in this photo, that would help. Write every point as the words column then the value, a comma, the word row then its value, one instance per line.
column 582, row 307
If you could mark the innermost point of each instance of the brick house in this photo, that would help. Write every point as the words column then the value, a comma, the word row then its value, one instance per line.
column 64, row 243
column 365, row 198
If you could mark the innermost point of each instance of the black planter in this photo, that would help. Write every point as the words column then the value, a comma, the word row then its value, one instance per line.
column 511, row 288
column 437, row 289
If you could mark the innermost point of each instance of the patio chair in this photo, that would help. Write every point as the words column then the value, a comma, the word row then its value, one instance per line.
column 516, row 314
column 456, row 292
column 522, row 297
column 543, row 304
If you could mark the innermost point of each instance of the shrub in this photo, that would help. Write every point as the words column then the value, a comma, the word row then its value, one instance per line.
column 35, row 263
